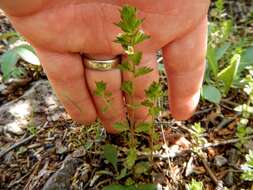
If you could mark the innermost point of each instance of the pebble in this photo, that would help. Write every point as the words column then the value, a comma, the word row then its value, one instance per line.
column 220, row 160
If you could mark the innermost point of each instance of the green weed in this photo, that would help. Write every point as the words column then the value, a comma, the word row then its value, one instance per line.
column 226, row 59
column 248, row 167
column 246, row 110
column 195, row 185
column 9, row 60
column 131, row 36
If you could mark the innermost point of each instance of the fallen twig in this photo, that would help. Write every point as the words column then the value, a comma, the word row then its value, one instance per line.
column 226, row 101
column 207, row 110
column 34, row 171
column 218, row 183
column 20, row 143
column 19, row 180
column 225, row 142
column 209, row 171
column 226, row 121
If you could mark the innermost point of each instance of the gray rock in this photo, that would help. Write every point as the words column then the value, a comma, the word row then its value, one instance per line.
column 60, row 180
column 220, row 160
column 33, row 106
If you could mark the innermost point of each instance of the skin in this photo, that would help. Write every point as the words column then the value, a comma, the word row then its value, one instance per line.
column 61, row 30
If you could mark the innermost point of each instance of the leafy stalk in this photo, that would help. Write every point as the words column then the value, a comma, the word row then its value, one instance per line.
column 132, row 35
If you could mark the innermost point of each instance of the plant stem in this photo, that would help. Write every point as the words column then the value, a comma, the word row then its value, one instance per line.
column 151, row 134
column 152, row 140
column 132, row 116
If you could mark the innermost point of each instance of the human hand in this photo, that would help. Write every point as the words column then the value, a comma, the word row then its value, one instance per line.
column 61, row 30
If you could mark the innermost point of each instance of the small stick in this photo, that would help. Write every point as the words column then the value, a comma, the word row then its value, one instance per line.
column 102, row 183
column 19, row 180
column 226, row 101
column 209, row 171
column 20, row 143
column 203, row 111
column 226, row 121
column 225, row 142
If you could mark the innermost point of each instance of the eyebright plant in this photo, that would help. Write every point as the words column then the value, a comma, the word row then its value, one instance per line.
column 246, row 110
column 132, row 35
column 247, row 174
column 198, row 139
column 195, row 185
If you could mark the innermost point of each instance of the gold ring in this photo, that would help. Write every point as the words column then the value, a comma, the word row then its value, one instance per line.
column 102, row 65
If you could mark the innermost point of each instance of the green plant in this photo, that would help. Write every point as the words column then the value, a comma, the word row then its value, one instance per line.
column 131, row 36
column 9, row 60
column 198, row 139
column 195, row 185
column 101, row 92
column 32, row 129
column 248, row 167
column 226, row 59
column 246, row 110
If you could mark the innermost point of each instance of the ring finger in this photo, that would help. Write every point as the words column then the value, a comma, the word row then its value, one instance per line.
column 115, row 111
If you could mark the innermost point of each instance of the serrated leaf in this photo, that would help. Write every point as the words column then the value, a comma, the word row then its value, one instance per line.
column 154, row 111
column 247, row 176
column 143, row 127
column 219, row 4
column 140, row 37
column 27, row 55
column 198, row 129
column 228, row 74
column 211, row 94
column 100, row 88
column 136, row 57
column 121, row 127
column 110, row 153
column 154, row 91
column 147, row 103
column 127, row 87
column 142, row 71
column 129, row 21
column 195, row 185
column 125, row 66
column 124, row 40
column 131, row 158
